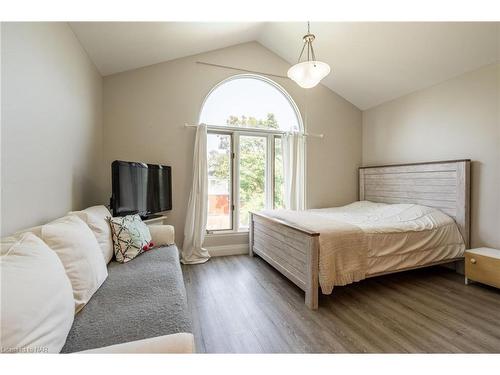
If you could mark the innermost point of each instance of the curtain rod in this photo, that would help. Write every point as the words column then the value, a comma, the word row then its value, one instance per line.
column 240, row 69
column 250, row 130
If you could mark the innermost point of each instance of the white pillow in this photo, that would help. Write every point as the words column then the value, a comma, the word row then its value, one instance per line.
column 96, row 218
column 80, row 254
column 37, row 306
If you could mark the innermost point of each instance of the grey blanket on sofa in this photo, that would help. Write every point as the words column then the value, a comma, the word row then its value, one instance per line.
column 143, row 298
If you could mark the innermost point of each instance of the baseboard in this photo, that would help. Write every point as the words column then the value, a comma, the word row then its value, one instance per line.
column 225, row 250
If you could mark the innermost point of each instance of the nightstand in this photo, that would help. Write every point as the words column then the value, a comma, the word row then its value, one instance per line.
column 483, row 265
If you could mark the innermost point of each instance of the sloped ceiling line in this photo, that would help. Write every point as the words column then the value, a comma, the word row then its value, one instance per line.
column 372, row 62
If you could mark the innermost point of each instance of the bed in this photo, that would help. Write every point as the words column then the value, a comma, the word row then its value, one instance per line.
column 408, row 216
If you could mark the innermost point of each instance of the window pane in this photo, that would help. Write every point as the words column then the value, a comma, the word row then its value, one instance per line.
column 219, row 181
column 252, row 176
column 279, row 186
column 249, row 102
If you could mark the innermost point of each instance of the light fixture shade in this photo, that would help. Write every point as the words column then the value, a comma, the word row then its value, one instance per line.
column 308, row 74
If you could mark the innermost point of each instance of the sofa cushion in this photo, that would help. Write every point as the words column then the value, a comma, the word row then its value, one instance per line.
column 75, row 244
column 140, row 299
column 162, row 235
column 37, row 307
column 96, row 217
column 131, row 237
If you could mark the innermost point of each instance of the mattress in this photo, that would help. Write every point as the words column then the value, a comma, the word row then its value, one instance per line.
column 400, row 236
column 364, row 239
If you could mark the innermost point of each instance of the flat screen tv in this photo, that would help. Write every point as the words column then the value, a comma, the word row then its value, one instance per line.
column 140, row 188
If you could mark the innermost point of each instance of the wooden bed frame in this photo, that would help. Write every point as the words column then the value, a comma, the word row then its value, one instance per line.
column 294, row 251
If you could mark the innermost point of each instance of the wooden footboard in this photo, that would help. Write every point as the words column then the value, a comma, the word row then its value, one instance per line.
column 292, row 250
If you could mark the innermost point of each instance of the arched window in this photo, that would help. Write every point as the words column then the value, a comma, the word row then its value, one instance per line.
column 251, row 101
column 246, row 117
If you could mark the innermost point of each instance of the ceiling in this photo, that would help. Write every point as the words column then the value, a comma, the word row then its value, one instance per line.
column 371, row 62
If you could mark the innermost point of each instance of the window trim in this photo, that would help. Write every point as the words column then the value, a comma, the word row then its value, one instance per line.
column 231, row 184
column 273, row 182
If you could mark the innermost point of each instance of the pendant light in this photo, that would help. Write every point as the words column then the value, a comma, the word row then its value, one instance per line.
column 308, row 73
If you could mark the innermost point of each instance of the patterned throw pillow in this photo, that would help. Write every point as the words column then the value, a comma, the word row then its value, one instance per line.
column 131, row 237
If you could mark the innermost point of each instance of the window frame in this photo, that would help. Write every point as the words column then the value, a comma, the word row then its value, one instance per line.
column 234, row 197
column 235, row 133
column 231, row 182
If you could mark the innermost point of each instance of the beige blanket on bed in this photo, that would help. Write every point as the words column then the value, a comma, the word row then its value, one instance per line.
column 343, row 247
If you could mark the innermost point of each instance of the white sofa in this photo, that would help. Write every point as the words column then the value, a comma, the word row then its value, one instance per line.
column 174, row 343
column 49, row 305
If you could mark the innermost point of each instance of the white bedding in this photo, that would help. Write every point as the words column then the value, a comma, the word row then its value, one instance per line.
column 365, row 238
column 387, row 218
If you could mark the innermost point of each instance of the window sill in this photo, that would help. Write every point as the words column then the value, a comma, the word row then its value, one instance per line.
column 227, row 233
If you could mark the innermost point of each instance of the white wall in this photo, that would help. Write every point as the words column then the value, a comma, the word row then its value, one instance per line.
column 145, row 111
column 456, row 119
column 51, row 131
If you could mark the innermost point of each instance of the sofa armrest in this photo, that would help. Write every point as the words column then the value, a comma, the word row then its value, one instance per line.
column 162, row 234
column 176, row 343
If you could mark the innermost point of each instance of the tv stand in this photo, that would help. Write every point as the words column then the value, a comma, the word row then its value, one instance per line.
column 154, row 219
column 151, row 216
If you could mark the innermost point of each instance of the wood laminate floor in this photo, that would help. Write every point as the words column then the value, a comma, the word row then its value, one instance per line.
column 241, row 304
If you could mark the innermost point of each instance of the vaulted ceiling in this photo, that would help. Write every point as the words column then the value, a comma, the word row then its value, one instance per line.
column 371, row 62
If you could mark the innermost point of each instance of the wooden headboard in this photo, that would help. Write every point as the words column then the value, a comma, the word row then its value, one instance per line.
column 444, row 185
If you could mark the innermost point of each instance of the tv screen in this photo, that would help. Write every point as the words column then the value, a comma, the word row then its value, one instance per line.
column 140, row 188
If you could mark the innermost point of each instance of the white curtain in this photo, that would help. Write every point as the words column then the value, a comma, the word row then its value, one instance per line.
column 196, row 217
column 293, row 170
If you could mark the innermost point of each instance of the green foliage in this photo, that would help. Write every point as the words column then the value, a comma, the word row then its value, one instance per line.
column 218, row 164
column 251, row 122
column 252, row 175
